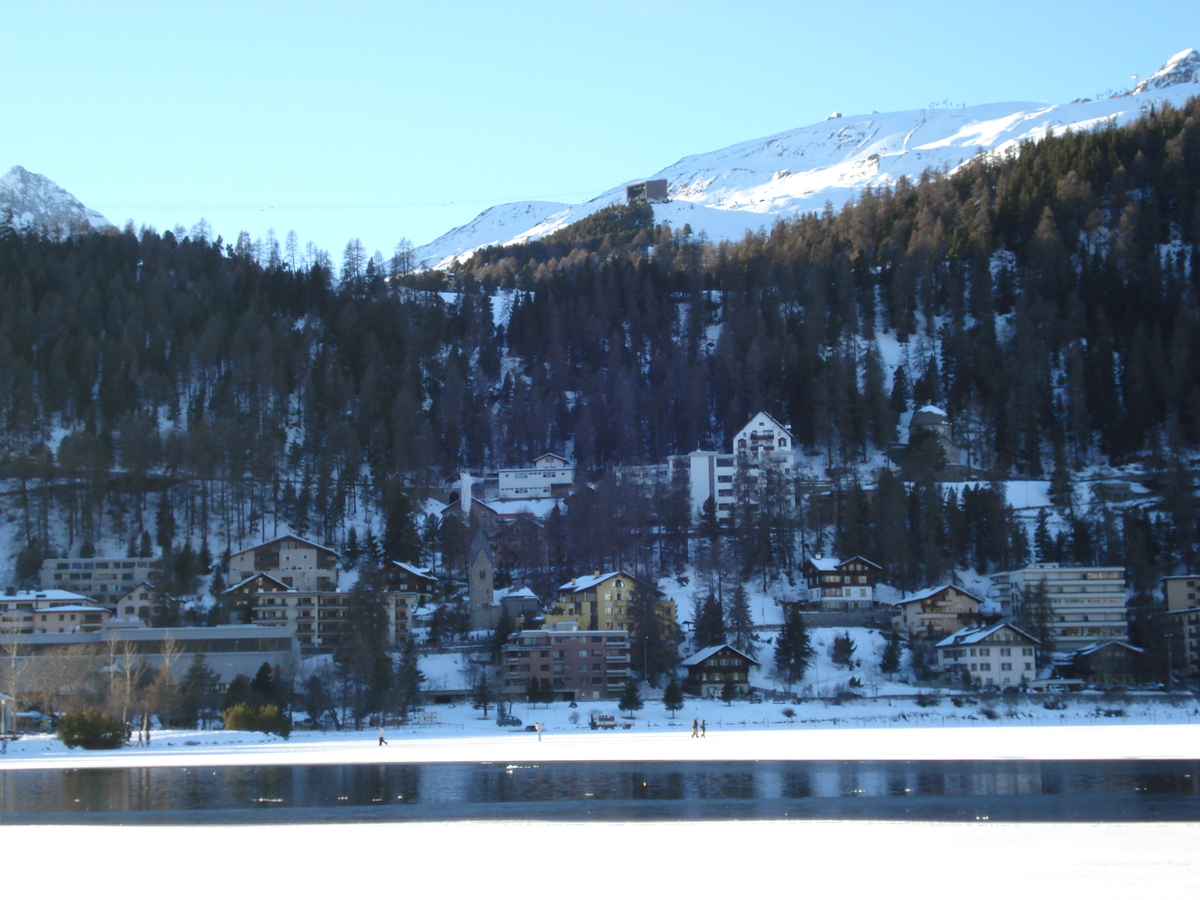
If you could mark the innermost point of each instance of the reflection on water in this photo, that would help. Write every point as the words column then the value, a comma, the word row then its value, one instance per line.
column 1026, row 790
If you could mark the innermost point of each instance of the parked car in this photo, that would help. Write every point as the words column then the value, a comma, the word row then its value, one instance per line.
column 508, row 721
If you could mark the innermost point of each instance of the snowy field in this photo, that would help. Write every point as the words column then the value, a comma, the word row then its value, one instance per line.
column 857, row 859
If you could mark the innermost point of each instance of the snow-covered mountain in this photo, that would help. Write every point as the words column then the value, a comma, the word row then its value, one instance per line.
column 37, row 202
column 750, row 185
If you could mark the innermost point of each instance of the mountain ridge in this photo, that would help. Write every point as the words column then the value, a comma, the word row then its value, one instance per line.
column 34, row 201
column 751, row 184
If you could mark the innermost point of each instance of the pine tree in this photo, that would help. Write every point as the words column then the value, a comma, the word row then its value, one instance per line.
column 196, row 690
column 262, row 686
column 504, row 628
column 729, row 692
column 889, row 663
column 842, row 650
column 482, row 696
column 793, row 648
column 631, row 700
column 408, row 678
column 673, row 697
column 652, row 635
column 741, row 623
column 710, row 622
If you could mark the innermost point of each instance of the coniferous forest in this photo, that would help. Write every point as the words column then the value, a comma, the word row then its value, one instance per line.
column 1048, row 301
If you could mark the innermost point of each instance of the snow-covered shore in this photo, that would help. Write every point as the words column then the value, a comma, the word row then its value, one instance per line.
column 886, row 729
column 647, row 859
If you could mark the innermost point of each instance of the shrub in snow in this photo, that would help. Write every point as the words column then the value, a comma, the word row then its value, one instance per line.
column 91, row 730
column 267, row 719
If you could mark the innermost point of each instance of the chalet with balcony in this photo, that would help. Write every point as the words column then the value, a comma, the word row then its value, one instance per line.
column 710, row 669
column 936, row 611
column 841, row 585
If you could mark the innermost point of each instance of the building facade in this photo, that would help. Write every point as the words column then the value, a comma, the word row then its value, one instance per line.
column 50, row 612
column 1082, row 604
column 318, row 619
column 549, row 476
column 711, row 668
column 600, row 602
column 1001, row 655
column 229, row 650
column 296, row 562
column 100, row 578
column 579, row 664
column 936, row 611
column 1182, row 625
column 760, row 466
column 841, row 585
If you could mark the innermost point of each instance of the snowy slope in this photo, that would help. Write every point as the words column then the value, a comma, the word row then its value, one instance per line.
column 751, row 184
column 495, row 225
column 37, row 202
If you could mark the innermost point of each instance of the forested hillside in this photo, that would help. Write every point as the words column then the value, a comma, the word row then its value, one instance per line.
column 1047, row 301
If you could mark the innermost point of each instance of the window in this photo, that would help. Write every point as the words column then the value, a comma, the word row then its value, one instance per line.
column 1005, row 667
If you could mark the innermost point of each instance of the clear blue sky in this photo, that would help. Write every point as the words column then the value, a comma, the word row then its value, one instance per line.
column 385, row 120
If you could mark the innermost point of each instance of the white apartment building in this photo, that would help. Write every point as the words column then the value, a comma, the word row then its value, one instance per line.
column 761, row 446
column 1002, row 655
column 101, row 578
column 549, row 476
column 1086, row 603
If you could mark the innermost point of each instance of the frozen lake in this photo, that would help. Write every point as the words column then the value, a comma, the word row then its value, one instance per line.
column 931, row 790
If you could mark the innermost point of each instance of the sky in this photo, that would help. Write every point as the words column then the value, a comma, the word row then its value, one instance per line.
column 385, row 121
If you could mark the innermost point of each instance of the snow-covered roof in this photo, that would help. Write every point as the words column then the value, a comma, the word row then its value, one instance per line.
column 256, row 575
column 1099, row 645
column 50, row 595
column 79, row 607
column 975, row 635
column 413, row 570
column 523, row 593
column 701, row 655
column 766, row 415
column 538, row 507
column 285, row 537
column 585, row 582
column 930, row 592
column 139, row 586
column 832, row 563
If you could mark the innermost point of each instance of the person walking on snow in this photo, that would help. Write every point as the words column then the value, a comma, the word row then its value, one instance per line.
column 382, row 741
column 695, row 726
column 703, row 728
